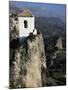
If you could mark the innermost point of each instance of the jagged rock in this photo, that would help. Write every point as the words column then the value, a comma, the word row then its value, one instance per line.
column 28, row 63
column 15, row 69
column 13, row 26
column 59, row 43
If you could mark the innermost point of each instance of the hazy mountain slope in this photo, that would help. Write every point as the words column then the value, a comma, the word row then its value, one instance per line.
column 50, row 25
column 13, row 9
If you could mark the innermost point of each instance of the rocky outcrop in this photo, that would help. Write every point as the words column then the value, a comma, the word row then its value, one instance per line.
column 59, row 43
column 27, row 63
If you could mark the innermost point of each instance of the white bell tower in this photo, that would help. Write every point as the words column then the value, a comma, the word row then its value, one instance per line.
column 26, row 23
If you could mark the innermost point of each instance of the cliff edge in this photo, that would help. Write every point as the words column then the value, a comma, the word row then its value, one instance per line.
column 27, row 62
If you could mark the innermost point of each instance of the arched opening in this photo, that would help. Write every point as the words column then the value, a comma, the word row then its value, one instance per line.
column 25, row 24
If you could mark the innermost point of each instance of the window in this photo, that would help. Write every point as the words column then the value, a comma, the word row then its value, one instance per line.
column 25, row 24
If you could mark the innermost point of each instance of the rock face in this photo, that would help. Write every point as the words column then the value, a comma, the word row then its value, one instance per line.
column 59, row 43
column 27, row 62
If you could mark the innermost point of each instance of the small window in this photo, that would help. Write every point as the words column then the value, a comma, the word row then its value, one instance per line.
column 25, row 24
column 16, row 19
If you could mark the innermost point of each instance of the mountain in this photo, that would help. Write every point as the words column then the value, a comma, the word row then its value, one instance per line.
column 27, row 63
column 47, row 25
column 13, row 9
column 20, row 66
column 50, row 25
column 43, row 9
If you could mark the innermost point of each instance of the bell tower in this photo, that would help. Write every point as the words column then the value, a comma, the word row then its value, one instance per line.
column 26, row 23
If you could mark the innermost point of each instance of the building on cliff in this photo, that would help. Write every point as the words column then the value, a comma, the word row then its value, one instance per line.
column 26, row 23
column 27, row 60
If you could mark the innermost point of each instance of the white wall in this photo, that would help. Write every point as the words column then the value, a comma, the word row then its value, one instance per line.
column 25, row 31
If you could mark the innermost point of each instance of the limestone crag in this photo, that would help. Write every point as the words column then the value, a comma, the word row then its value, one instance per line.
column 59, row 44
column 27, row 61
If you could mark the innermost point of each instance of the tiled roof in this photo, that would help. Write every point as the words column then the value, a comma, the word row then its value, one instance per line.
column 26, row 13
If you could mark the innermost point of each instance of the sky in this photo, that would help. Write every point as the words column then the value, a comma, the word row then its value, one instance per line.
column 42, row 9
